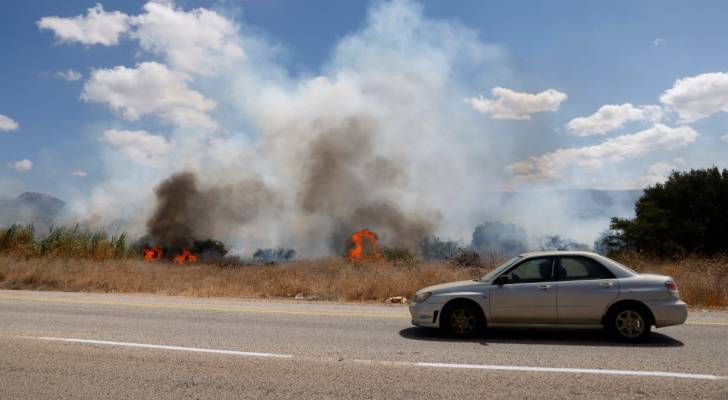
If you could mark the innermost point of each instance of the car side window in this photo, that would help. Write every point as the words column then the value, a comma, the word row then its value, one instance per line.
column 530, row 271
column 582, row 268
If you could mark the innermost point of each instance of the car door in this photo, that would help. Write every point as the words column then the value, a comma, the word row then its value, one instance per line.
column 528, row 294
column 585, row 289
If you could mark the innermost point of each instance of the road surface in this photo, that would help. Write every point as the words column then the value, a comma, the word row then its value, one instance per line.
column 99, row 346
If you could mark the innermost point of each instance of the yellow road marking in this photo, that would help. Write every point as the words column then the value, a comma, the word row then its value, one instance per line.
column 260, row 310
column 721, row 323
column 229, row 309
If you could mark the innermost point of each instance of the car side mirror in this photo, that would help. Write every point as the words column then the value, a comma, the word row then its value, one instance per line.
column 500, row 280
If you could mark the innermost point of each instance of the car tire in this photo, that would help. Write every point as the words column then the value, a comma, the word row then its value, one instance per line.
column 462, row 320
column 629, row 323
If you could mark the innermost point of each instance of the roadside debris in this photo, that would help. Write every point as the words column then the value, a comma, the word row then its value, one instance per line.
column 396, row 300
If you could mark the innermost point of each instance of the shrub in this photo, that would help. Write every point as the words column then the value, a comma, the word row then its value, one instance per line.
column 685, row 215
column 499, row 239
column 399, row 256
column 467, row 258
column 556, row 242
column 434, row 248
column 274, row 256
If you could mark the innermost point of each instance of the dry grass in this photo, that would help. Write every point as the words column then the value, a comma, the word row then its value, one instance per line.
column 702, row 282
column 331, row 279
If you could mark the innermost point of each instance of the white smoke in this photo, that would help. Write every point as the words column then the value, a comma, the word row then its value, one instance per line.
column 406, row 75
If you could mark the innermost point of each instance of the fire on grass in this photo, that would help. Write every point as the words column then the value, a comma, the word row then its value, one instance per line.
column 154, row 253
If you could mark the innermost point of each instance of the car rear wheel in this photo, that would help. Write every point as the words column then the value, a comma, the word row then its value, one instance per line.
column 630, row 323
column 463, row 320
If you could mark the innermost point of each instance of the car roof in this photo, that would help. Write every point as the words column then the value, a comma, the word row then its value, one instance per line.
column 557, row 253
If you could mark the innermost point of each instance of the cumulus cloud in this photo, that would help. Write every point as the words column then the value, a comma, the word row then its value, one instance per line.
column 612, row 117
column 724, row 138
column 656, row 173
column 22, row 165
column 551, row 165
column 79, row 173
column 198, row 41
column 7, row 123
column 150, row 88
column 659, row 42
column 96, row 27
column 139, row 146
column 698, row 97
column 508, row 104
column 69, row 75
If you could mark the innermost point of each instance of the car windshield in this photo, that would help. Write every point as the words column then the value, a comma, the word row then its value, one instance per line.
column 490, row 275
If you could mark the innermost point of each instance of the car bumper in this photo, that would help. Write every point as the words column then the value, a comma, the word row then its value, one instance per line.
column 668, row 313
column 425, row 314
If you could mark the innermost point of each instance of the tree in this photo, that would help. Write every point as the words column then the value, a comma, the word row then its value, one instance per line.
column 499, row 239
column 556, row 242
column 274, row 256
column 686, row 214
column 434, row 248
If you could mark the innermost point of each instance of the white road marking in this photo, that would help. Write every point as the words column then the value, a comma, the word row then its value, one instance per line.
column 572, row 370
column 162, row 347
column 662, row 374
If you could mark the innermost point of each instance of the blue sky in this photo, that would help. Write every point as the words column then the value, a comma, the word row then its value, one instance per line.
column 262, row 67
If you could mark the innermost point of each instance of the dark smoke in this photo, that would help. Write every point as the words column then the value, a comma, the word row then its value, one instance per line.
column 347, row 180
column 185, row 211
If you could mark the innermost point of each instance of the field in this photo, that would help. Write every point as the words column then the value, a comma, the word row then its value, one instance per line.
column 702, row 282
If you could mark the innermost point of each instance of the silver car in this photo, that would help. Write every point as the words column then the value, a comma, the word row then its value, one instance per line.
column 553, row 288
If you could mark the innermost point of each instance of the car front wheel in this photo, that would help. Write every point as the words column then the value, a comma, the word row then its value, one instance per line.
column 463, row 320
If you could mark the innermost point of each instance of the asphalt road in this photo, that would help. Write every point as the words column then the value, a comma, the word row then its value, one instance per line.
column 98, row 346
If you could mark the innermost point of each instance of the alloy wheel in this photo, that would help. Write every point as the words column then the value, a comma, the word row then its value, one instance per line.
column 630, row 323
column 463, row 321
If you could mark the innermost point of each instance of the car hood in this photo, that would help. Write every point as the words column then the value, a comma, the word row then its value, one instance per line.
column 446, row 287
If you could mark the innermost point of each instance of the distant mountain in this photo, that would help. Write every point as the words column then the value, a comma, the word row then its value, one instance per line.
column 30, row 207
column 581, row 203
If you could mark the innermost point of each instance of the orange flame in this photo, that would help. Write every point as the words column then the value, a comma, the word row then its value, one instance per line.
column 153, row 253
column 363, row 246
column 184, row 257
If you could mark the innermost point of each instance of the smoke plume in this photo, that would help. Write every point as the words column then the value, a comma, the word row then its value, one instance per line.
column 347, row 179
column 185, row 211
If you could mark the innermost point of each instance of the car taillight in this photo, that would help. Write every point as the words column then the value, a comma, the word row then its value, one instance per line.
column 671, row 286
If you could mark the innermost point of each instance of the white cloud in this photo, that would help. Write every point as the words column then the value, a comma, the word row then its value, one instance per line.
column 96, row 27
column 7, row 123
column 150, row 88
column 699, row 96
column 659, row 42
column 611, row 117
column 69, row 75
column 139, row 146
column 656, row 173
column 79, row 173
column 197, row 41
column 22, row 165
column 508, row 104
column 551, row 165
column 724, row 138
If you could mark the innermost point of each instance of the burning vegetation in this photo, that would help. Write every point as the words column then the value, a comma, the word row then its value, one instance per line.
column 152, row 253
column 363, row 246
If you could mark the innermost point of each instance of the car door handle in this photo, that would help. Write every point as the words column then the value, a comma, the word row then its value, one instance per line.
column 606, row 284
column 544, row 287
